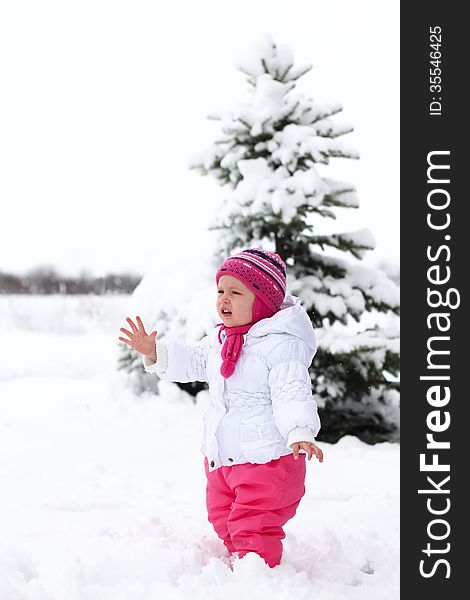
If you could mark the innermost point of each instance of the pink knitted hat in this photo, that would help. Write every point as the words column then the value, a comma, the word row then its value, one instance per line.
column 264, row 273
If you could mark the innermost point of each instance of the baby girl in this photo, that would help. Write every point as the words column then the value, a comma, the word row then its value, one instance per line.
column 262, row 419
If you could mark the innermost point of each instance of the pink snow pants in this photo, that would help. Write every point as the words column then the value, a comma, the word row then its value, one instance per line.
column 248, row 504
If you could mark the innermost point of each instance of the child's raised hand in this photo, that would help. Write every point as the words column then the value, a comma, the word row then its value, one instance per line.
column 139, row 339
column 309, row 447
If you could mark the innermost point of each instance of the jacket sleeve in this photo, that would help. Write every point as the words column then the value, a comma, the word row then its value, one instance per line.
column 181, row 363
column 291, row 389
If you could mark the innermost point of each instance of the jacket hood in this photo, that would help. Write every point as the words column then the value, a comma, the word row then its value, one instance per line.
column 291, row 318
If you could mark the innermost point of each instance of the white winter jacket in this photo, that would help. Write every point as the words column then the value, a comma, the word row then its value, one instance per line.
column 267, row 403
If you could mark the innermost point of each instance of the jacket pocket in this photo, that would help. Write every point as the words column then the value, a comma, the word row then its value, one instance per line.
column 260, row 440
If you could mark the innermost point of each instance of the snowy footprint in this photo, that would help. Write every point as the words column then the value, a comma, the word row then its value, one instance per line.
column 326, row 559
column 193, row 559
column 198, row 554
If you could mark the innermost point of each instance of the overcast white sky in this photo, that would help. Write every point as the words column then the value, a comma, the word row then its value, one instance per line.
column 104, row 101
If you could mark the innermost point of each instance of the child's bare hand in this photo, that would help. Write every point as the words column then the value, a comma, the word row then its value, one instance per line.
column 309, row 448
column 139, row 339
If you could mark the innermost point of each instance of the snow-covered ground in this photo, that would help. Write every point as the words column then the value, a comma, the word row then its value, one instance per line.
column 102, row 491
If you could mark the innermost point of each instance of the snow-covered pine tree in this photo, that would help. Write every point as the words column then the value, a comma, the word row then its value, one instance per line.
column 270, row 160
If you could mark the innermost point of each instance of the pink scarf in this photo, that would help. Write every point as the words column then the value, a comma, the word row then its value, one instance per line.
column 232, row 348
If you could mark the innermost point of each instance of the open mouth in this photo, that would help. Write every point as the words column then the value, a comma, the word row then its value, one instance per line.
column 224, row 311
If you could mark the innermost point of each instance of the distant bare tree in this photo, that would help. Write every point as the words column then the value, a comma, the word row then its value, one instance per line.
column 45, row 280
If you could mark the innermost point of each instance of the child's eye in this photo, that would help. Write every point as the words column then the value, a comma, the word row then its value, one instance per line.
column 220, row 291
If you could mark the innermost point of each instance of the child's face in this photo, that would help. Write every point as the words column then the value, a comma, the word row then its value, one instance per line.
column 234, row 297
